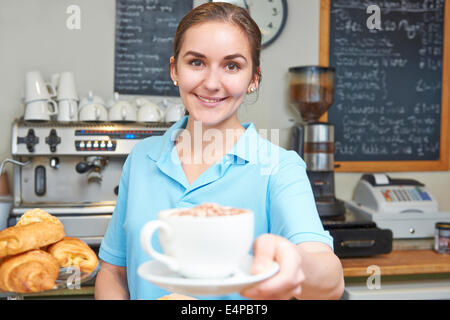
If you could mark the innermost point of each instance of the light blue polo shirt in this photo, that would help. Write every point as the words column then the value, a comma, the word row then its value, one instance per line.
column 255, row 175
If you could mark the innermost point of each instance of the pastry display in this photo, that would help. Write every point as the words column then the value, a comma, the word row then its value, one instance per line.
column 32, row 271
column 33, row 251
column 18, row 239
column 74, row 252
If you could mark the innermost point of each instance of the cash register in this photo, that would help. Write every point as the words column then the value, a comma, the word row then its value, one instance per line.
column 404, row 206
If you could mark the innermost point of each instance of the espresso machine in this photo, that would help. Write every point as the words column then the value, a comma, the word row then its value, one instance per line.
column 72, row 170
column 311, row 90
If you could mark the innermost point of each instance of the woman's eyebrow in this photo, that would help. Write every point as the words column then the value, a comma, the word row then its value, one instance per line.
column 234, row 56
column 195, row 54
column 200, row 55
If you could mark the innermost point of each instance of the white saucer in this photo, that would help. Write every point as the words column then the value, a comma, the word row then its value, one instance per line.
column 158, row 274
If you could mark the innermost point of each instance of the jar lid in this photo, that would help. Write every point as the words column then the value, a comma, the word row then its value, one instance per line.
column 8, row 198
column 443, row 225
column 312, row 68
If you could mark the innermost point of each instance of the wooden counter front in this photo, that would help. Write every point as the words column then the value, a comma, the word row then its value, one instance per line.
column 407, row 262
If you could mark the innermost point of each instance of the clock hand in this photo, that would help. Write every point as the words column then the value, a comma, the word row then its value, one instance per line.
column 246, row 6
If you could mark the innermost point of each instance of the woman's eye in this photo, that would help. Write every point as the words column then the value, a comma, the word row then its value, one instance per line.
column 232, row 66
column 195, row 63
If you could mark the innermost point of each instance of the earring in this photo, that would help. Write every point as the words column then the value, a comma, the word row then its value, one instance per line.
column 252, row 89
column 175, row 83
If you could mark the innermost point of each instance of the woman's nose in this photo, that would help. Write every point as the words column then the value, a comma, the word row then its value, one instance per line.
column 212, row 80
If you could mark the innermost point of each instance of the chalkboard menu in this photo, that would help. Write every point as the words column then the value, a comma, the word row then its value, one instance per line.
column 144, row 43
column 389, row 80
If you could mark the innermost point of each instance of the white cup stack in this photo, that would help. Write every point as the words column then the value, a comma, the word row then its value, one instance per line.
column 93, row 108
column 148, row 111
column 67, row 96
column 121, row 110
column 174, row 112
column 39, row 105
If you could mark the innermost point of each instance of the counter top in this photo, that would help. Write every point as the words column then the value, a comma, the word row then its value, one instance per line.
column 402, row 262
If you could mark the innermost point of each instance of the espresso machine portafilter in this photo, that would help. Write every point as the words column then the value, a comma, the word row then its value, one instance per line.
column 311, row 90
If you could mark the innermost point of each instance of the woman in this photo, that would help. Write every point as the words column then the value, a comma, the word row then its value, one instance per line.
column 209, row 156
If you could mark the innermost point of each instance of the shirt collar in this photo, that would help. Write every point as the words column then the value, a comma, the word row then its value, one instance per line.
column 166, row 144
column 247, row 142
column 246, row 146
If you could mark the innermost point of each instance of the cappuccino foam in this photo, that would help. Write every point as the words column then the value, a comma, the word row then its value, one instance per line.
column 210, row 210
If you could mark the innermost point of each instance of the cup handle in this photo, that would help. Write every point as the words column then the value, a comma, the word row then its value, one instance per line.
column 52, row 90
column 72, row 109
column 97, row 113
column 146, row 236
column 55, row 108
column 160, row 113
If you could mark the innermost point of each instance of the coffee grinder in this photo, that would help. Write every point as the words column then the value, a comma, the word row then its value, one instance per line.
column 311, row 90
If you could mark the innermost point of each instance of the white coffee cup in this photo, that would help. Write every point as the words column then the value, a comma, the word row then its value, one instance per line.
column 36, row 88
column 174, row 112
column 92, row 108
column 66, row 86
column 200, row 247
column 115, row 98
column 149, row 111
column 91, row 98
column 93, row 112
column 40, row 110
column 68, row 110
column 121, row 110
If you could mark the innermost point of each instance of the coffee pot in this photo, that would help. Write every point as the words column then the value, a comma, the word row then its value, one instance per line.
column 311, row 90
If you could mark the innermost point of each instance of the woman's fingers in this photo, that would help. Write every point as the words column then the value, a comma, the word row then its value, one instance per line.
column 287, row 282
column 264, row 250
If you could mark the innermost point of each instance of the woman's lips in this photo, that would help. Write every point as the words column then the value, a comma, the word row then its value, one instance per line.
column 210, row 101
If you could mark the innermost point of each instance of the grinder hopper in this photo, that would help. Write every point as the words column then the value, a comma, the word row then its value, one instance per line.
column 311, row 90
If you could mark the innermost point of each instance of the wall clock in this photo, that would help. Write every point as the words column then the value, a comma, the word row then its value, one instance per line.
column 270, row 15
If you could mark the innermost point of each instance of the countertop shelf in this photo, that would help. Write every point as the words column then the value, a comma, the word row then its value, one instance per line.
column 403, row 262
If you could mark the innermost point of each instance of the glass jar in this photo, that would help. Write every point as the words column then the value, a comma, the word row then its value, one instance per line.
column 442, row 238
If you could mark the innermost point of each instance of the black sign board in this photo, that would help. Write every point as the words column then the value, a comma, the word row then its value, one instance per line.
column 145, row 30
column 388, row 101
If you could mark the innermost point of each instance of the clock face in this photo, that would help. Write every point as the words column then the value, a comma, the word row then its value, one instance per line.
column 270, row 15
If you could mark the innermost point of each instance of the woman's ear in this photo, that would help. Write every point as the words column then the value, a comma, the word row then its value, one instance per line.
column 254, row 84
column 256, row 79
column 173, row 70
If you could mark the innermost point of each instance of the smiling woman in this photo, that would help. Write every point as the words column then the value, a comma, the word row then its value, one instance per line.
column 214, row 73
column 216, row 63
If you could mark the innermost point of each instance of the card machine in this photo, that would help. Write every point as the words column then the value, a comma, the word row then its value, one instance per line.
column 404, row 206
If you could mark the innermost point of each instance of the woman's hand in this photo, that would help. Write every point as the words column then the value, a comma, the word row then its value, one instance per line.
column 287, row 283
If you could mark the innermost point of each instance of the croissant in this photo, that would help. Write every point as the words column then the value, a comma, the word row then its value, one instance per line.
column 18, row 239
column 32, row 271
column 37, row 215
column 74, row 252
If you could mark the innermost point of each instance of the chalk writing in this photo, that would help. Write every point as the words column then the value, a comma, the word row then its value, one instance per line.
column 388, row 80
column 144, row 38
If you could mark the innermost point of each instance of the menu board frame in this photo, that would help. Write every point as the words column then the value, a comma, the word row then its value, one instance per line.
column 441, row 164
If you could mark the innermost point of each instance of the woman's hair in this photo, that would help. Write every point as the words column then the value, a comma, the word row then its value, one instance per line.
column 222, row 11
